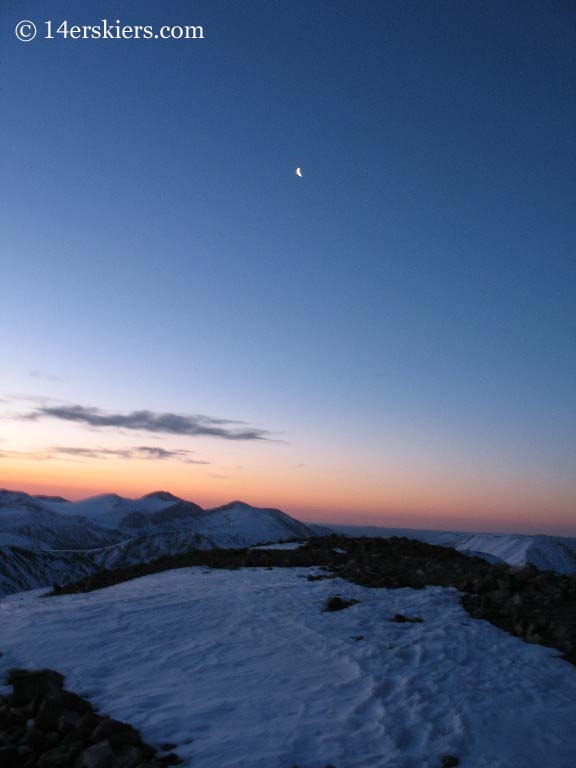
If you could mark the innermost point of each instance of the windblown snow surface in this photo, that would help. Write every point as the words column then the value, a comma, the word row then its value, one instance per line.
column 243, row 669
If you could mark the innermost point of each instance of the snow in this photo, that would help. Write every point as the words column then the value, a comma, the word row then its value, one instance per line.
column 247, row 525
column 38, row 524
column 109, row 509
column 243, row 669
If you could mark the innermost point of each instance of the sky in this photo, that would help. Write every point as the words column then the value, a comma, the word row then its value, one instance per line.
column 390, row 339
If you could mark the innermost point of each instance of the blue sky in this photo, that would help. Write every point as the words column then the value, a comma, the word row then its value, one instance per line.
column 403, row 316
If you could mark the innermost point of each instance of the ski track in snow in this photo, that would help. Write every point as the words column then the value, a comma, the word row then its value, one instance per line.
column 248, row 665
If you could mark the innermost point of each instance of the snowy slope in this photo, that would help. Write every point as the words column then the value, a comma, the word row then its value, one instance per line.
column 34, row 523
column 109, row 531
column 144, row 549
column 21, row 569
column 238, row 524
column 152, row 512
column 243, row 669
column 555, row 553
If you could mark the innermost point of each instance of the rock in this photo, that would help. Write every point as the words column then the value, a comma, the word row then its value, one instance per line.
column 59, row 757
column 27, row 685
column 37, row 739
column 90, row 720
column 499, row 596
column 27, row 711
column 170, row 759
column 487, row 584
column 10, row 720
column 48, row 715
column 86, row 726
column 450, row 761
column 53, row 739
column 127, row 757
column 517, row 599
column 401, row 619
column 49, row 727
column 75, row 703
column 9, row 757
column 525, row 573
column 68, row 721
column 97, row 756
column 119, row 734
column 336, row 603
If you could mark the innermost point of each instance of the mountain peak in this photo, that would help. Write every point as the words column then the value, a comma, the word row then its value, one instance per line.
column 232, row 504
column 161, row 496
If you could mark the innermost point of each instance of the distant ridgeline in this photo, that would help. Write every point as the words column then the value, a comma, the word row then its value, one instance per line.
column 46, row 540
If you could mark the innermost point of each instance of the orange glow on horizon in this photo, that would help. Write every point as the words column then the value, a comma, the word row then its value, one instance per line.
column 392, row 501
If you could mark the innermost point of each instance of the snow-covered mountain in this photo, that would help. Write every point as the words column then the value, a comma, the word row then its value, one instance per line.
column 48, row 523
column 554, row 553
column 153, row 512
column 47, row 539
column 44, row 540
column 33, row 522
column 23, row 569
column 241, row 525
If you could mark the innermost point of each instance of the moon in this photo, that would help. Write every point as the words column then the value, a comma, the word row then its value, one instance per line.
column 299, row 172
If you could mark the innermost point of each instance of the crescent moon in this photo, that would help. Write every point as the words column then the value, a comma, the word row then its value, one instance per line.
column 299, row 172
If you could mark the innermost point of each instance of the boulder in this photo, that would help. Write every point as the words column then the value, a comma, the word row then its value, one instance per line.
column 76, row 703
column 128, row 757
column 68, row 721
column 48, row 715
column 9, row 757
column 119, row 734
column 449, row 761
column 97, row 756
column 336, row 603
column 401, row 619
column 62, row 756
column 28, row 685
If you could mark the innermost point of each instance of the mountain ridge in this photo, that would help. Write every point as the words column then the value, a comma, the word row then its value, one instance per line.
column 45, row 540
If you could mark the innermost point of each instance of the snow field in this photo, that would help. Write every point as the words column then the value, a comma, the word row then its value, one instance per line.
column 243, row 669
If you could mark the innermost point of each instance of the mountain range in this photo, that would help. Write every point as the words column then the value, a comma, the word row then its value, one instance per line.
column 47, row 539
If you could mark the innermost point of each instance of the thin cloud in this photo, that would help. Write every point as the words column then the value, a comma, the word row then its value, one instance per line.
column 141, row 452
column 148, row 421
column 36, row 373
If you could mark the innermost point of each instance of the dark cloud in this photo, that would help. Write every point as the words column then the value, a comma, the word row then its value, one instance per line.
column 147, row 452
column 142, row 452
column 148, row 421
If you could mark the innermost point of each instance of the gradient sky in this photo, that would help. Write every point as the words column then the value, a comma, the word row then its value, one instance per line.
column 396, row 330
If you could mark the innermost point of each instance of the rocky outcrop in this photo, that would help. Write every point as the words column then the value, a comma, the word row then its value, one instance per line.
column 538, row 606
column 42, row 725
